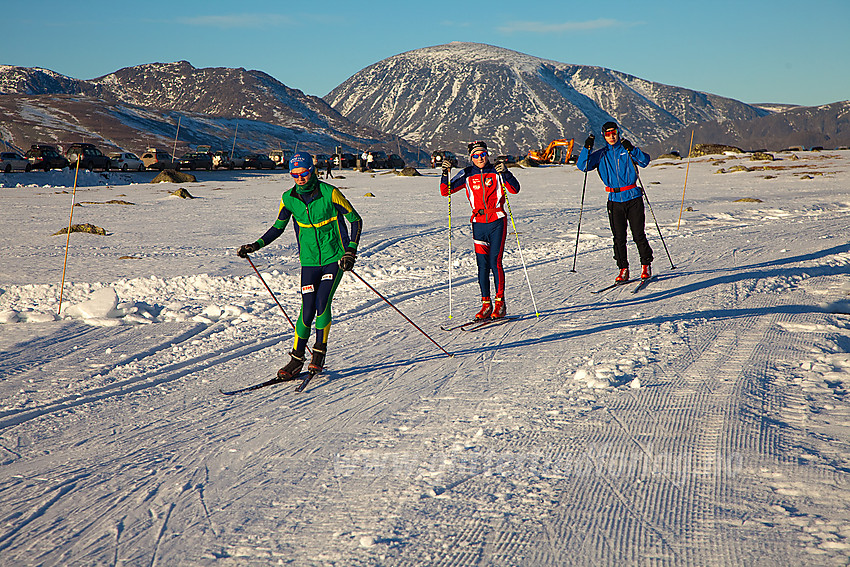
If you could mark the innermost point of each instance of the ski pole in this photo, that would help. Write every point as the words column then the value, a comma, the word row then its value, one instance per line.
column 387, row 301
column 645, row 196
column 450, row 253
column 580, row 211
column 68, row 240
column 513, row 224
column 275, row 298
column 686, row 181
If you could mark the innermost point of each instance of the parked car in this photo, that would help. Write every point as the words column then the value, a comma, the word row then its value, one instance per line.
column 344, row 160
column 321, row 161
column 223, row 158
column 196, row 160
column 126, row 161
column 259, row 161
column 10, row 161
column 438, row 156
column 380, row 159
column 159, row 159
column 395, row 161
column 89, row 156
column 279, row 157
column 46, row 157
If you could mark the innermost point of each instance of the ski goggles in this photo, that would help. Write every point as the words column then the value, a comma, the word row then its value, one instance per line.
column 479, row 155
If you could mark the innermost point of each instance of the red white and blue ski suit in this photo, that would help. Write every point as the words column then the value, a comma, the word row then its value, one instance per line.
column 485, row 191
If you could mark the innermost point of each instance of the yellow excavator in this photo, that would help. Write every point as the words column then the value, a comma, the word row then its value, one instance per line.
column 558, row 151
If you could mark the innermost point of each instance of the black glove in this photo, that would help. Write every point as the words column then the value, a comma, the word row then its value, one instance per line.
column 346, row 263
column 588, row 143
column 447, row 166
column 246, row 249
column 628, row 145
column 501, row 167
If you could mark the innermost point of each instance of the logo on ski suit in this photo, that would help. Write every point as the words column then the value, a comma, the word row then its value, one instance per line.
column 476, row 182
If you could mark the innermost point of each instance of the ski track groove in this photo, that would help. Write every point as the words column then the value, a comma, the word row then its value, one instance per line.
column 60, row 491
column 145, row 381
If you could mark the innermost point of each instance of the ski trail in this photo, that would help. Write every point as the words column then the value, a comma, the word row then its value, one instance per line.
column 144, row 381
column 160, row 534
column 19, row 525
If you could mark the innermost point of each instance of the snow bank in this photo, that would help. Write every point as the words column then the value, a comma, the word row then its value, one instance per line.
column 62, row 178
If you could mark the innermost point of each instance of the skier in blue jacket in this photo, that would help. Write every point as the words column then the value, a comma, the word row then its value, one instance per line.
column 616, row 164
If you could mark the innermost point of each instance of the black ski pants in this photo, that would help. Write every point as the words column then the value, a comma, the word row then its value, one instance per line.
column 632, row 213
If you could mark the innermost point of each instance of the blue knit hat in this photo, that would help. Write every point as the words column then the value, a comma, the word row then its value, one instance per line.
column 301, row 159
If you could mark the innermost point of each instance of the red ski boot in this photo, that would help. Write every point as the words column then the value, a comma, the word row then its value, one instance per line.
column 486, row 309
column 623, row 276
column 498, row 307
column 645, row 272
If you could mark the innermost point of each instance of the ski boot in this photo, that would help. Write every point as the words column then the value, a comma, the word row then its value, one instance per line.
column 293, row 368
column 623, row 276
column 317, row 363
column 645, row 272
column 498, row 307
column 486, row 309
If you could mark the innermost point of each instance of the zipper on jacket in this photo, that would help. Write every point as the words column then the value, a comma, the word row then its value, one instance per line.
column 315, row 233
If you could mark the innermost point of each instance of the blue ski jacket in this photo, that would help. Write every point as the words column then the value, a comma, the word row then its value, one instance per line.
column 616, row 170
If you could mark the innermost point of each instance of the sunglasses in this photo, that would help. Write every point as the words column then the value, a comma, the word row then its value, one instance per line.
column 479, row 155
column 302, row 174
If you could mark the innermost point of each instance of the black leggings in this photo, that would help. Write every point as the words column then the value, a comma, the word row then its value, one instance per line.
column 632, row 213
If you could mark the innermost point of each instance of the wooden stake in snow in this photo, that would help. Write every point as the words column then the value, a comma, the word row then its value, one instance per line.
column 687, row 167
column 68, row 240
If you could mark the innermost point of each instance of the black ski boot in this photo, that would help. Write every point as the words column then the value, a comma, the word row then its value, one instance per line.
column 293, row 368
column 317, row 363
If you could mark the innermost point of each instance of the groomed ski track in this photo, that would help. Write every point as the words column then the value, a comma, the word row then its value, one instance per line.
column 699, row 422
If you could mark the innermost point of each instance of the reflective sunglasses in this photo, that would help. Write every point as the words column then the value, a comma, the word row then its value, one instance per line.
column 302, row 174
column 479, row 155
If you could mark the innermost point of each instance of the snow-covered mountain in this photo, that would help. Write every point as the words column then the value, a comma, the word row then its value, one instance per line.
column 35, row 81
column 449, row 94
column 274, row 114
column 827, row 125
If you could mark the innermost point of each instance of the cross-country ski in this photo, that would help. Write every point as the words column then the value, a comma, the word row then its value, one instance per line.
column 257, row 386
column 493, row 322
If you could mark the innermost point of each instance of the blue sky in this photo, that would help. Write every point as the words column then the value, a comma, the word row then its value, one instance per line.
column 753, row 51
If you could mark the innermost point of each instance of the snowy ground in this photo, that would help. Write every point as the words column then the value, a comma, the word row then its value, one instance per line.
column 704, row 420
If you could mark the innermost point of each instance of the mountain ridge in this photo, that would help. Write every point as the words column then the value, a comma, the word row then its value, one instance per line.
column 518, row 101
column 213, row 98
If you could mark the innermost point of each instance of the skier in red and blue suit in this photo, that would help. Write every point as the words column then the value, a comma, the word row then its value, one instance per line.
column 485, row 184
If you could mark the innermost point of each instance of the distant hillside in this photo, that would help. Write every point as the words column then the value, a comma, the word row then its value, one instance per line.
column 447, row 95
column 803, row 126
column 139, row 105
